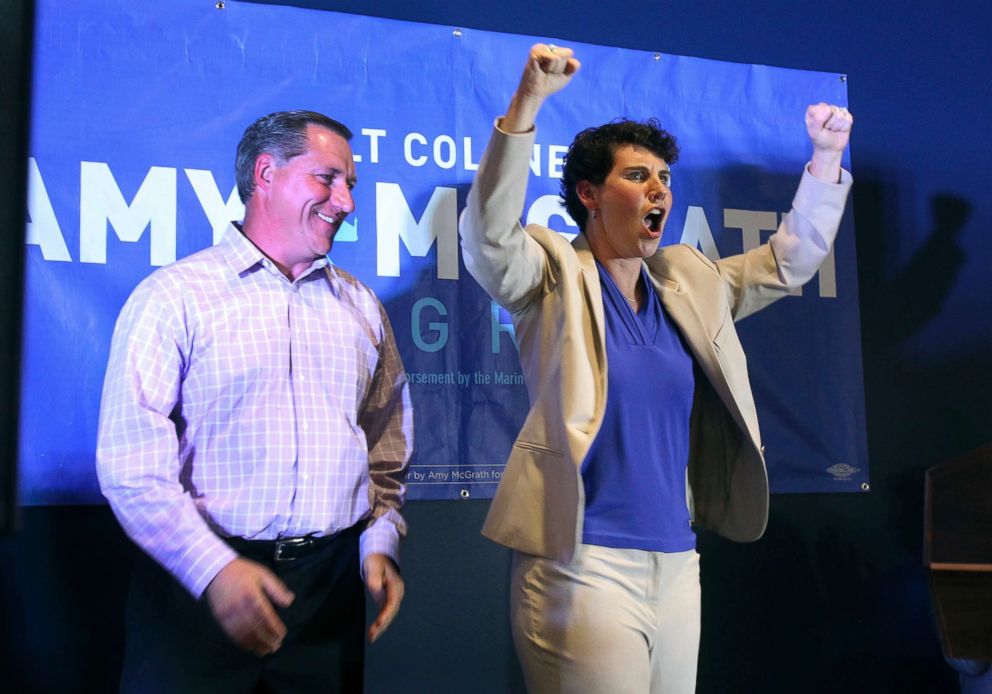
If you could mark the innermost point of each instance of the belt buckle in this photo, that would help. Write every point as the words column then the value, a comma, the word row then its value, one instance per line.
column 284, row 545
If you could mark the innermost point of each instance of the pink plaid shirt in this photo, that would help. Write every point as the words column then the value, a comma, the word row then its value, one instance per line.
column 238, row 403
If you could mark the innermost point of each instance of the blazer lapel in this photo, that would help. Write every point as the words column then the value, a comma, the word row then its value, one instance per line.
column 594, row 299
column 683, row 312
column 594, row 293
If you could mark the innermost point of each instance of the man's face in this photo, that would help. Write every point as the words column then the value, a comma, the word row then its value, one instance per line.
column 310, row 195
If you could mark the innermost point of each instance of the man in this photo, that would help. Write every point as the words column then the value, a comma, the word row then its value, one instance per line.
column 254, row 434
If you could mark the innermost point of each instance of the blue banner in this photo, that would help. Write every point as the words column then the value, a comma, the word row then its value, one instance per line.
column 138, row 109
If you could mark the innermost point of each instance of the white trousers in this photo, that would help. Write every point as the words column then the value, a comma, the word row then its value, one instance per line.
column 611, row 621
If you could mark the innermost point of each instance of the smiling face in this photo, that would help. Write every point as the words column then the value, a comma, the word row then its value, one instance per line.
column 629, row 209
column 299, row 204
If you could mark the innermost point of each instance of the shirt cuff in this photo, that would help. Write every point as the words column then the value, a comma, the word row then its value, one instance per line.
column 381, row 537
column 201, row 563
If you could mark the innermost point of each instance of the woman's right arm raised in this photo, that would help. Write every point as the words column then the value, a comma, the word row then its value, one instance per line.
column 505, row 261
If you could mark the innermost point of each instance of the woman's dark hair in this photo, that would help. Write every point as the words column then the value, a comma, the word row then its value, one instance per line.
column 283, row 135
column 590, row 156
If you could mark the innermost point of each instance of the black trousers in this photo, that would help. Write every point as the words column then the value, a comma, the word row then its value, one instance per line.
column 174, row 644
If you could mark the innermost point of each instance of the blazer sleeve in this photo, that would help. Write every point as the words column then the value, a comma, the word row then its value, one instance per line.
column 793, row 253
column 510, row 265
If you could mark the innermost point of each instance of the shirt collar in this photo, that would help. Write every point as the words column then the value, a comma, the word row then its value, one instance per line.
column 243, row 255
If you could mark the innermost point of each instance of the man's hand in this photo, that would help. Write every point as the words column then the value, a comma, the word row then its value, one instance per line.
column 241, row 597
column 548, row 69
column 385, row 585
column 829, row 129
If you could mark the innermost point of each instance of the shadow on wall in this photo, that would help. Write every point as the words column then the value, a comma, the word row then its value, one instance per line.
column 834, row 597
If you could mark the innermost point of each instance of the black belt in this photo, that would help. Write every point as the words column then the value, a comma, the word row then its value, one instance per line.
column 285, row 549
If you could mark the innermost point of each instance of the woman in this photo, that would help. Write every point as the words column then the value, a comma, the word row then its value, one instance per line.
column 641, row 418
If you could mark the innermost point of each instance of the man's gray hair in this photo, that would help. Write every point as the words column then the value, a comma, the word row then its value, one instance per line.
column 283, row 135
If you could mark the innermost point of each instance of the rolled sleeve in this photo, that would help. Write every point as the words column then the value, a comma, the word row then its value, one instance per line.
column 807, row 232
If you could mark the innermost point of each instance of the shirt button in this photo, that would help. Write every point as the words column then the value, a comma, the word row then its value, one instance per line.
column 305, row 476
column 306, row 426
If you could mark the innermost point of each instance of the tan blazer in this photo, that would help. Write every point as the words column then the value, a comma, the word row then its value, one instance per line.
column 552, row 290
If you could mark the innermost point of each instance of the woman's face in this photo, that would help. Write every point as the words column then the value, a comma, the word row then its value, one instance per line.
column 629, row 209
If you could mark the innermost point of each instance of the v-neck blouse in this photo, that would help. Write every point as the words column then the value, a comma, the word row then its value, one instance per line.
column 635, row 472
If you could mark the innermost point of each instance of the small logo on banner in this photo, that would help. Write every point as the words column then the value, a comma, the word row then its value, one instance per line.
column 841, row 471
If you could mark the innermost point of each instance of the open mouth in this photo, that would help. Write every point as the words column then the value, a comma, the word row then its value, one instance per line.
column 330, row 220
column 653, row 219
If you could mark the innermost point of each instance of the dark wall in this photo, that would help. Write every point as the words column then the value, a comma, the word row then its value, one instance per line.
column 834, row 597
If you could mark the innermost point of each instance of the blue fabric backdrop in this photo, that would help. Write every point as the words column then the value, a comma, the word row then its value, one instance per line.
column 137, row 112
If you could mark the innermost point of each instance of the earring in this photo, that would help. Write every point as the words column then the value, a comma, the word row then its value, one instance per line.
column 595, row 213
